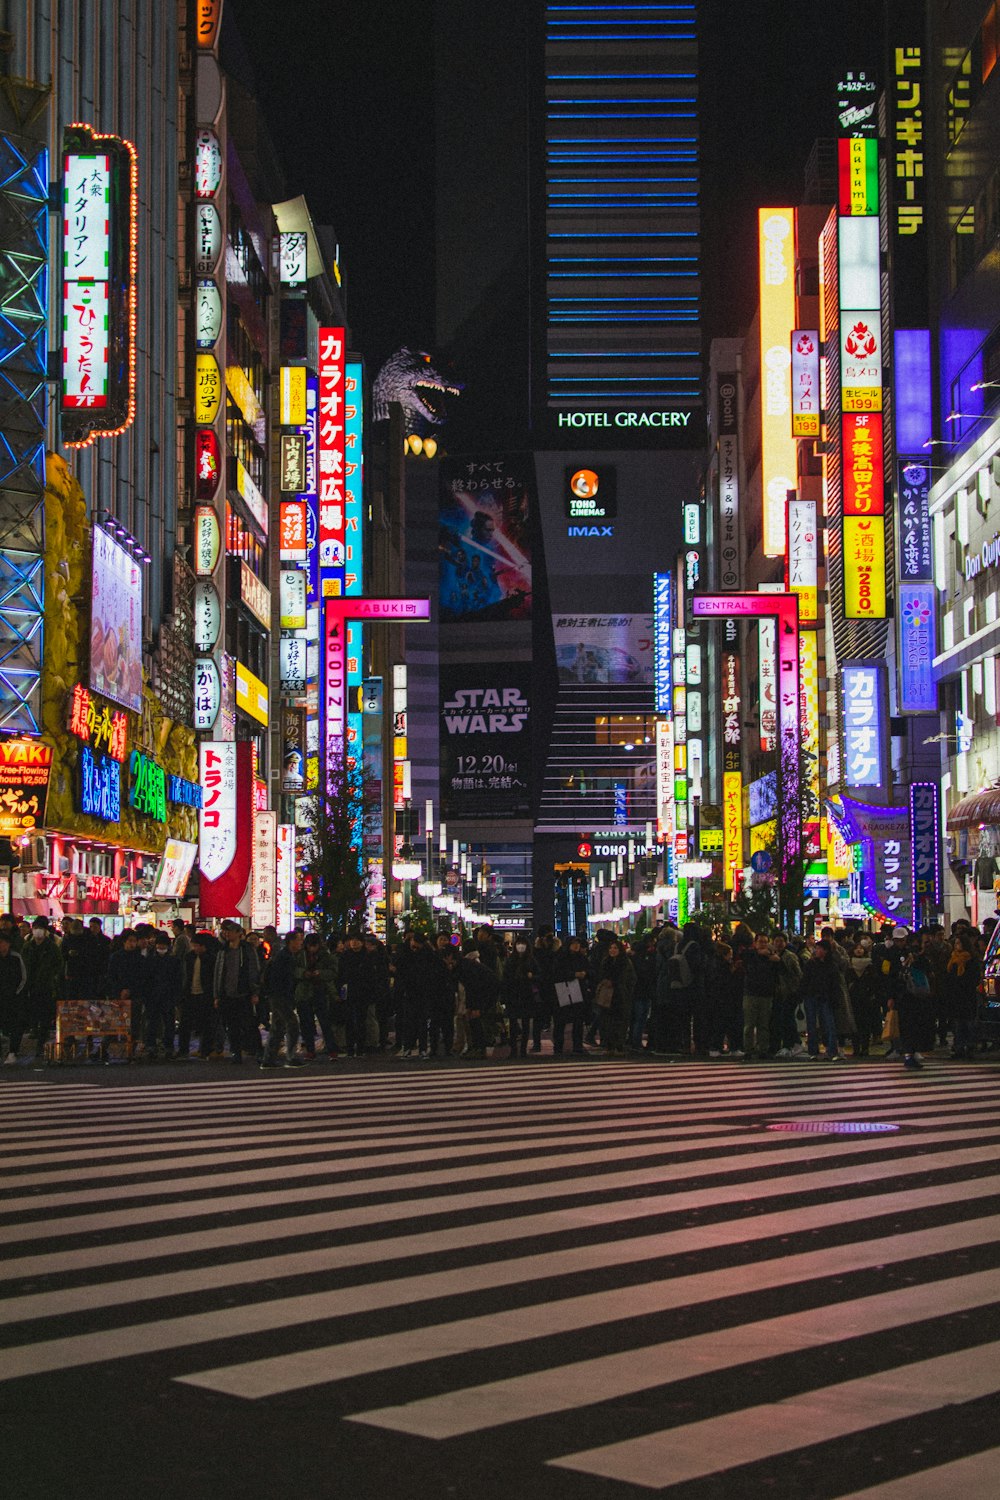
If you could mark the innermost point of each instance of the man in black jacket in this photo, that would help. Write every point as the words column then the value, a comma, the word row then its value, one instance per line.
column 237, row 983
column 285, row 972
column 197, row 1008
column 760, row 981
column 820, row 988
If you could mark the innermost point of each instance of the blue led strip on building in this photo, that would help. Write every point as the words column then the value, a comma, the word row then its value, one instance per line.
column 615, row 186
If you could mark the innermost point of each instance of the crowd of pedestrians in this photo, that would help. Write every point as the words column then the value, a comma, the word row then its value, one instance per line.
column 190, row 994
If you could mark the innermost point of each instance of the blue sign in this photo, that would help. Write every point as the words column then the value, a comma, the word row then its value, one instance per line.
column 663, row 623
column 917, row 636
column 184, row 793
column 100, row 787
column 915, row 557
column 864, row 720
column 760, row 862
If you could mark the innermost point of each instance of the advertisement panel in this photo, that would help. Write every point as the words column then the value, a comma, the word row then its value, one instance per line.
column 729, row 481
column 732, row 827
column 779, row 455
column 861, row 447
column 663, row 624
column 615, row 649
column 665, row 807
column 226, row 828
column 805, row 383
column 766, row 642
column 857, row 175
column 175, row 869
column 880, row 840
column 925, row 836
column 284, row 888
column 116, row 623
column 864, row 568
column 917, row 646
column 330, row 458
column 484, row 539
column 916, row 562
column 263, row 904
column 863, row 713
column 802, row 558
column 354, row 509
column 861, row 360
column 485, row 741
column 25, row 766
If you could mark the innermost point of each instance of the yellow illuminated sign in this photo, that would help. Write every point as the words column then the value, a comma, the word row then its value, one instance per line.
column 293, row 396
column 245, row 397
column 732, row 827
column 251, row 694
column 864, row 567
column 207, row 389
column 777, row 319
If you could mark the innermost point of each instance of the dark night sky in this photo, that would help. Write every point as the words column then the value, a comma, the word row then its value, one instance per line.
column 348, row 91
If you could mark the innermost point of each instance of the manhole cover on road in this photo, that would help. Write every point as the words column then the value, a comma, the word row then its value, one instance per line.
column 832, row 1127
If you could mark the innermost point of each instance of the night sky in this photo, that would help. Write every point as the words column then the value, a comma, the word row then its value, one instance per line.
column 348, row 92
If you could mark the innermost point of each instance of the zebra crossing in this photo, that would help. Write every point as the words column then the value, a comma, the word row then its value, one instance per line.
column 531, row 1280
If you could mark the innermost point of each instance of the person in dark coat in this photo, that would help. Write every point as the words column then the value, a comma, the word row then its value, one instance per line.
column 481, row 988
column 617, row 966
column 286, row 969
column 417, row 986
column 126, row 978
column 547, row 946
column 237, row 990
column 820, row 990
column 46, row 980
column 961, row 986
column 760, row 981
column 571, row 963
column 13, row 996
column 196, row 1012
column 518, row 990
column 364, row 974
column 317, row 996
column 163, row 981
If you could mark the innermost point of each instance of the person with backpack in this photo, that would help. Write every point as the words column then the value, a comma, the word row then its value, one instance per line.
column 686, row 1018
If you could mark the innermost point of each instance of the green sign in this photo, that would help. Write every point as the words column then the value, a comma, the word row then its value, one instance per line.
column 148, row 792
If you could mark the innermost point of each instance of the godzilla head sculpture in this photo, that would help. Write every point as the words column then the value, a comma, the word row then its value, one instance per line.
column 409, row 377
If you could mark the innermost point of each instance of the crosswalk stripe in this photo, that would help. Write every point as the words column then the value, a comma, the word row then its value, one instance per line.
column 211, row 1238
column 568, row 1386
column 642, row 1177
column 564, row 1387
column 972, row 1476
column 680, row 1455
column 402, row 1291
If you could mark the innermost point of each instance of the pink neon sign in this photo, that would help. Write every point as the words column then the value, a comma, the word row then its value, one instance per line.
column 338, row 611
column 784, row 609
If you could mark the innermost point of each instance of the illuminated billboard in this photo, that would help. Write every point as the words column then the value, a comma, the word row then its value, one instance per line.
column 99, row 264
column 777, row 319
column 805, row 383
column 330, row 458
column 803, row 557
column 116, row 622
column 864, row 719
column 663, row 619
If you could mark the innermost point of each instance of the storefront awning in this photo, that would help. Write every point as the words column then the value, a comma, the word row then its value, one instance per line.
column 977, row 807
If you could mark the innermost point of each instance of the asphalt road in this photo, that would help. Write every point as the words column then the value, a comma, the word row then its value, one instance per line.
column 572, row 1280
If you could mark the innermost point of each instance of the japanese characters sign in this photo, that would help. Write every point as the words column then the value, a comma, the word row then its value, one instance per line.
column 292, row 468
column 292, row 396
column 293, row 258
column 207, row 389
column 100, row 212
column 864, row 719
column 207, row 314
column 915, row 557
column 207, row 541
column 663, row 624
column 175, row 869
column 917, row 645
column 779, row 455
column 768, row 685
column 729, row 482
column 857, row 176
column 294, row 541
column 207, row 615
column 354, row 513
column 803, row 553
column 217, row 821
column 148, row 791
column 864, row 567
column 100, row 786
column 263, row 905
column 24, row 779
column 805, row 383
column 208, row 238
column 883, row 854
column 285, row 878
column 330, row 458
column 207, row 692
column 861, row 360
column 96, row 724
column 864, row 487
column 207, row 463
column 925, row 835
column 337, row 612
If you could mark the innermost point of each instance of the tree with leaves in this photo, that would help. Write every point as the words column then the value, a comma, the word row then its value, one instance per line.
column 334, row 881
